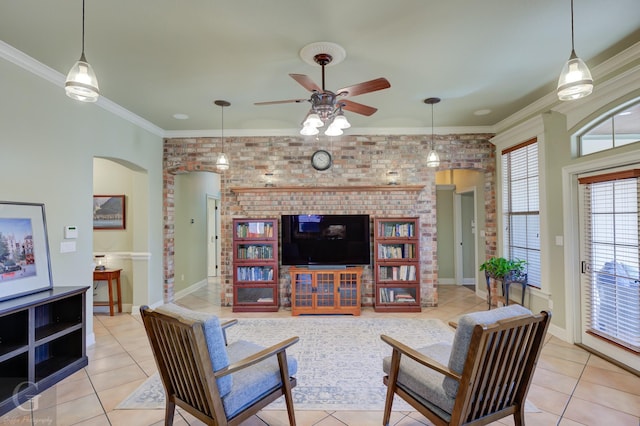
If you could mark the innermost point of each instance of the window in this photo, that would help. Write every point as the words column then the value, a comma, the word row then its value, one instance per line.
column 616, row 129
column 520, row 206
column 611, row 257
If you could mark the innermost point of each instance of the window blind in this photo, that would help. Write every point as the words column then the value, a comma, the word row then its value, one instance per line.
column 611, row 257
column 521, row 206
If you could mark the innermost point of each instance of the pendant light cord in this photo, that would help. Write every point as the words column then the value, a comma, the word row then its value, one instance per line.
column 222, row 127
column 572, row 47
column 432, row 138
column 82, row 27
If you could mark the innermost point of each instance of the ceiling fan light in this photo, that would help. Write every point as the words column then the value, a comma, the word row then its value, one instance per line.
column 81, row 83
column 333, row 130
column 309, row 131
column 433, row 159
column 341, row 121
column 313, row 120
column 222, row 163
column 575, row 80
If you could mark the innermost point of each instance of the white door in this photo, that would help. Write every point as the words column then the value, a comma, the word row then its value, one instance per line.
column 212, row 236
column 610, row 282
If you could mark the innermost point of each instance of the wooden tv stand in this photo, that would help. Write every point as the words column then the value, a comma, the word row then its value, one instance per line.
column 325, row 291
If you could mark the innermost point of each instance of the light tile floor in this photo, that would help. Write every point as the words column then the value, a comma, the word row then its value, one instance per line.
column 570, row 386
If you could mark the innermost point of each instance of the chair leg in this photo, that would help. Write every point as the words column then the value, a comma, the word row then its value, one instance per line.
column 518, row 417
column 169, row 411
column 391, row 386
column 288, row 399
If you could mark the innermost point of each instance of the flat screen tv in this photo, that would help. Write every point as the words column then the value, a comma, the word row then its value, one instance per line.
column 325, row 240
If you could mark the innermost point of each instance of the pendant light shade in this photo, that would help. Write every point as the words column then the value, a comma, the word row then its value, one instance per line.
column 433, row 159
column 81, row 83
column 222, row 162
column 575, row 80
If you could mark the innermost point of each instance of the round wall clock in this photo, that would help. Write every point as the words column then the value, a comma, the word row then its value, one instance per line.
column 321, row 160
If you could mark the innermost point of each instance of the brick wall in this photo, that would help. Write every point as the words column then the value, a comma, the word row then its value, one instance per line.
column 360, row 169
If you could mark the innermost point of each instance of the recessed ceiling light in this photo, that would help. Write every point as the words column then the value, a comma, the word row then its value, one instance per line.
column 179, row 116
column 482, row 112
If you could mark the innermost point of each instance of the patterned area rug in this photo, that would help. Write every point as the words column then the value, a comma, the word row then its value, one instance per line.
column 339, row 359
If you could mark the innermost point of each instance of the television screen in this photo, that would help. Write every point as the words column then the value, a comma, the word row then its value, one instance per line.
column 312, row 239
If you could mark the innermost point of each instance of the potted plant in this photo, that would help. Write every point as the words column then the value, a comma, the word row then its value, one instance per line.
column 506, row 271
column 500, row 268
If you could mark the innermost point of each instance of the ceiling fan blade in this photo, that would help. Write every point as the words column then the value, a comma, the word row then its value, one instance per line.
column 366, row 87
column 306, row 82
column 356, row 107
column 287, row 101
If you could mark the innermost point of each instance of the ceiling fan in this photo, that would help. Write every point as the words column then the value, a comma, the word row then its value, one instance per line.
column 328, row 106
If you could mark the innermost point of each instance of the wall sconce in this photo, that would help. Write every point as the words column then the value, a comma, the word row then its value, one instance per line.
column 392, row 178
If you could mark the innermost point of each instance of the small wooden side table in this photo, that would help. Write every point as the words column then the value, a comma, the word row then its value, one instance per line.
column 109, row 275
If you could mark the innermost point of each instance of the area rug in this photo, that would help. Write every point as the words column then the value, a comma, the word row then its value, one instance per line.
column 339, row 359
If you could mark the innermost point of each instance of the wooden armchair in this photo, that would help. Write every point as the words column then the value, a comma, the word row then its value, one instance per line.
column 483, row 376
column 219, row 384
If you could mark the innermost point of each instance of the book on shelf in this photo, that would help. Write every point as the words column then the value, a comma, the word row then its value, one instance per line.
column 396, row 251
column 255, row 252
column 395, row 295
column 398, row 229
column 255, row 273
column 254, row 230
column 397, row 273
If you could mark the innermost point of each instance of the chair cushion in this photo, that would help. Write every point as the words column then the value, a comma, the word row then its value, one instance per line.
column 251, row 383
column 423, row 382
column 213, row 336
column 462, row 338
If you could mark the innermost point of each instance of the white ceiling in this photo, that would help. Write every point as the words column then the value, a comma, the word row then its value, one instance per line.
column 157, row 58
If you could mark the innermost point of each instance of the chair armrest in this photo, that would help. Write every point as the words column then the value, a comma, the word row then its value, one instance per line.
column 257, row 357
column 224, row 327
column 453, row 325
column 420, row 358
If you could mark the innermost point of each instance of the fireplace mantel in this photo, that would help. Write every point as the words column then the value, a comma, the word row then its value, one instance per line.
column 361, row 188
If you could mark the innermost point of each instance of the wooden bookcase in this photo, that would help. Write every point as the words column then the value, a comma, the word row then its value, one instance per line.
column 397, row 264
column 325, row 291
column 255, row 265
column 42, row 341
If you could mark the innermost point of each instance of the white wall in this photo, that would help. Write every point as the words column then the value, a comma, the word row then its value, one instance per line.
column 47, row 146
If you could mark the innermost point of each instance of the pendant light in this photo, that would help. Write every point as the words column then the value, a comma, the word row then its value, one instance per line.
column 575, row 80
column 222, row 163
column 82, row 84
column 433, row 159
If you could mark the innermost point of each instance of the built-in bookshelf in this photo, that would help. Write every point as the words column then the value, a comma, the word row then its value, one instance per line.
column 397, row 266
column 42, row 341
column 255, row 265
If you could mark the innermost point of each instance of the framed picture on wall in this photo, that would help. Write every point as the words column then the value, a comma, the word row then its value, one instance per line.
column 108, row 212
column 25, row 265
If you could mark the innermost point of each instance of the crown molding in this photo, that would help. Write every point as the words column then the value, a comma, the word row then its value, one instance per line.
column 26, row 62
column 603, row 74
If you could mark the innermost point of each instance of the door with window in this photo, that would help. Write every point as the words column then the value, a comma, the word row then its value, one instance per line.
column 610, row 281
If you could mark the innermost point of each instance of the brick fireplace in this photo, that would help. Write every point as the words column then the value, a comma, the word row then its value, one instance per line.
column 270, row 176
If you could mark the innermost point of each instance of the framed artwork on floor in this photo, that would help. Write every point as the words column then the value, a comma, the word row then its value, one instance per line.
column 109, row 212
column 25, row 263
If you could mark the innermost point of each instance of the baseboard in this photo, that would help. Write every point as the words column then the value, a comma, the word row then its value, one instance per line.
column 190, row 289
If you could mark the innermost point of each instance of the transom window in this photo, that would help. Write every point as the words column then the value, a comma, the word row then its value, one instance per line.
column 616, row 129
